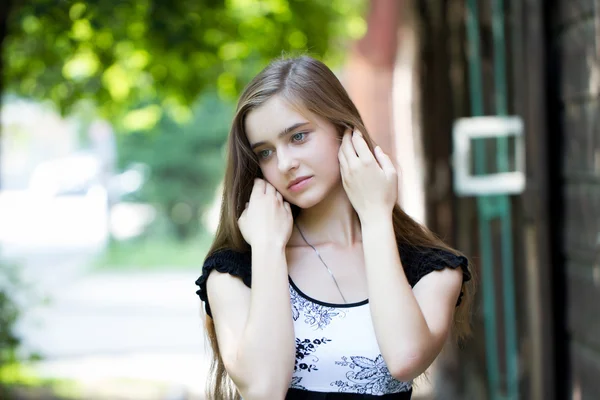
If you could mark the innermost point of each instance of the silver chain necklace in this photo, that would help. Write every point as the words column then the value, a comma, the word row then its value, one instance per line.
column 320, row 258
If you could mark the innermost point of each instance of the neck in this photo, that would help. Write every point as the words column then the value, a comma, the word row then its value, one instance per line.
column 332, row 221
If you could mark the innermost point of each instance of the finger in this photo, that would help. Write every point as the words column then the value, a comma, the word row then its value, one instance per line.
column 361, row 147
column 258, row 188
column 288, row 210
column 349, row 152
column 348, row 131
column 269, row 189
column 279, row 196
column 343, row 162
column 384, row 161
column 242, row 215
column 347, row 145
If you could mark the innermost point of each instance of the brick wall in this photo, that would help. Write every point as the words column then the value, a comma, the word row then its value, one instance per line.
column 574, row 44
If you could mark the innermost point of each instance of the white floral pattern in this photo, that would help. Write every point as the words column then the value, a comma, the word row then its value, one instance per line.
column 316, row 315
column 369, row 377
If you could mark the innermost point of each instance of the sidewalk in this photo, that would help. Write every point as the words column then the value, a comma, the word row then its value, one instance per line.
column 118, row 332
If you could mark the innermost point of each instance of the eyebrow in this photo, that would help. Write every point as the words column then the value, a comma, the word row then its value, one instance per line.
column 282, row 133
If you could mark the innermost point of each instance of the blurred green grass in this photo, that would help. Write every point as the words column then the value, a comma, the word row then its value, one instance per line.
column 20, row 381
column 154, row 254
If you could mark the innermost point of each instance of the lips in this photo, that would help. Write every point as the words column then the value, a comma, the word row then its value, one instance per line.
column 298, row 180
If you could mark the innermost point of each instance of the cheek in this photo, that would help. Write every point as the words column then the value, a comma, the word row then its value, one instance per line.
column 332, row 165
column 328, row 159
column 271, row 174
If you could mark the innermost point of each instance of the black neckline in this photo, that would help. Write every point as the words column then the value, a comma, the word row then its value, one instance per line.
column 323, row 303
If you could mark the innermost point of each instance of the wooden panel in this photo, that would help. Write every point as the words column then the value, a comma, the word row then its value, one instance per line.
column 585, row 364
column 581, row 125
column 569, row 11
column 583, row 294
column 573, row 23
column 538, row 348
column 578, row 61
column 582, row 218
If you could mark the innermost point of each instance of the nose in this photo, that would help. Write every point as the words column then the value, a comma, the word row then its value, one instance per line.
column 286, row 161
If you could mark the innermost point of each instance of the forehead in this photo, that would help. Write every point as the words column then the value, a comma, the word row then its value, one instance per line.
column 267, row 121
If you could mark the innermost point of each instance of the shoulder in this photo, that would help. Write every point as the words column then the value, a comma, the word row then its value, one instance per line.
column 420, row 261
column 228, row 262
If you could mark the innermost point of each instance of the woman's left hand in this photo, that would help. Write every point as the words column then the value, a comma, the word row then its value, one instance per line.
column 370, row 181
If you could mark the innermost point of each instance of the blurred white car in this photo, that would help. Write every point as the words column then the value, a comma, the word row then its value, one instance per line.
column 64, row 208
column 74, row 175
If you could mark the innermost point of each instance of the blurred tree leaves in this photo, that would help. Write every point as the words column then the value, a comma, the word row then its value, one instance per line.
column 186, row 163
column 166, row 72
column 120, row 54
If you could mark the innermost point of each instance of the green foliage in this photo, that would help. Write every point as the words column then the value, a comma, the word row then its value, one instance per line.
column 121, row 54
column 9, row 313
column 142, row 64
column 186, row 163
column 8, row 340
column 11, row 284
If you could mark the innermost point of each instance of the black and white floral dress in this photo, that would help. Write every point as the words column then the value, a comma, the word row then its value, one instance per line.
column 337, row 356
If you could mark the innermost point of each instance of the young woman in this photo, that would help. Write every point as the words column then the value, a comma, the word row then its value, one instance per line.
column 318, row 285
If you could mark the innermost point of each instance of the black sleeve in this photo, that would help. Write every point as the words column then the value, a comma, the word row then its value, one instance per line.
column 226, row 261
column 418, row 262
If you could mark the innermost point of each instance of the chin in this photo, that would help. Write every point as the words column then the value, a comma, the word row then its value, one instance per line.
column 306, row 200
column 305, row 204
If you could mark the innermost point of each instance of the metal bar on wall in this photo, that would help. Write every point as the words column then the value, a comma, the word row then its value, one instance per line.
column 510, row 317
column 494, row 207
column 489, row 307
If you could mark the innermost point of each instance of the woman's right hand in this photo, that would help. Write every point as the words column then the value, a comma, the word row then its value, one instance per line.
column 267, row 219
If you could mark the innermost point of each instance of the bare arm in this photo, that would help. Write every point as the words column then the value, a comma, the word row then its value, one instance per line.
column 254, row 327
column 411, row 326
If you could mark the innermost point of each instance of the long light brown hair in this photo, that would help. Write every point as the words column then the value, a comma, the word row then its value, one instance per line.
column 312, row 86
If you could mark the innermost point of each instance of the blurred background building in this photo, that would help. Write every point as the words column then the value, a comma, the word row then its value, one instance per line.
column 113, row 123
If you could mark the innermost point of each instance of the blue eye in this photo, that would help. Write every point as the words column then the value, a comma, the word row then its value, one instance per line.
column 263, row 154
column 298, row 137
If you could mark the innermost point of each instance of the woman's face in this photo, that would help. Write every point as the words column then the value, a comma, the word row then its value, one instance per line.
column 290, row 147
